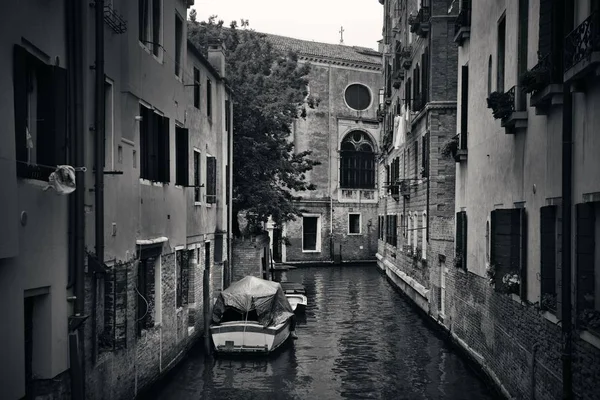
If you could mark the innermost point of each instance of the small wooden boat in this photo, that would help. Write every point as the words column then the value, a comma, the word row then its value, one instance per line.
column 251, row 316
column 296, row 295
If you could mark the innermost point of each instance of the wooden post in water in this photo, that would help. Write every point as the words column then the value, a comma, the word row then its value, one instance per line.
column 206, row 309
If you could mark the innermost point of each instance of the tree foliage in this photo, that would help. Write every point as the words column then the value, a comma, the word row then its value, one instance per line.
column 270, row 92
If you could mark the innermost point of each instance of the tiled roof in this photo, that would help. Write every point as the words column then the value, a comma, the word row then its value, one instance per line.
column 310, row 49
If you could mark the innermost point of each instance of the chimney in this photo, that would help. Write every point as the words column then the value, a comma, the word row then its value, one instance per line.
column 216, row 56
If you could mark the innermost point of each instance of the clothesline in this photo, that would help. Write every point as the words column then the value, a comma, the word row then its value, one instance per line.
column 82, row 169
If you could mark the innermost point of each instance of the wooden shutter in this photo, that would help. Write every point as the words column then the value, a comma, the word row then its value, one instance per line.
column 545, row 25
column 164, row 150
column 461, row 237
column 144, row 148
column 464, row 106
column 211, row 172
column 20, row 88
column 182, row 156
column 508, row 250
column 585, row 251
column 548, row 249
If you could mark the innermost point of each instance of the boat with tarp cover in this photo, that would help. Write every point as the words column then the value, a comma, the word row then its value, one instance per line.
column 251, row 316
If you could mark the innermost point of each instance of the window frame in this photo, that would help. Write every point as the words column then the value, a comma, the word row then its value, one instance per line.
column 211, row 181
column 182, row 150
column 318, row 243
column 351, row 214
column 369, row 92
column 197, row 87
column 209, row 99
column 148, row 43
column 179, row 50
column 197, row 176
column 352, row 170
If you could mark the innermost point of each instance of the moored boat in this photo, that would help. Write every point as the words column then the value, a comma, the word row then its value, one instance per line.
column 296, row 295
column 251, row 316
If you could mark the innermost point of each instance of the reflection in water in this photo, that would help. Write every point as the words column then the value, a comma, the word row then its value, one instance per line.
column 358, row 340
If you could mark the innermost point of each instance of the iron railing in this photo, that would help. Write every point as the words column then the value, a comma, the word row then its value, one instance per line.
column 114, row 20
column 583, row 40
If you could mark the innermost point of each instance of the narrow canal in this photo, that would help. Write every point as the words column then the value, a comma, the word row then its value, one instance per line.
column 359, row 340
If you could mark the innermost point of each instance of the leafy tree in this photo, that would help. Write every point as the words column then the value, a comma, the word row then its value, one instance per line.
column 270, row 91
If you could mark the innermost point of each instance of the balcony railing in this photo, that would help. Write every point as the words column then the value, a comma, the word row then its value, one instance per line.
column 419, row 23
column 582, row 45
column 544, row 82
column 509, row 107
column 114, row 20
column 462, row 25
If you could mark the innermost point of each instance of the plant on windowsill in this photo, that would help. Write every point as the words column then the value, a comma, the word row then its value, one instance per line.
column 408, row 250
column 450, row 148
column 509, row 284
column 501, row 104
column 417, row 254
column 534, row 79
column 589, row 319
column 548, row 302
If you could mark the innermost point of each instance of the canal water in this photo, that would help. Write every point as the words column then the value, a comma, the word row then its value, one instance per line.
column 359, row 340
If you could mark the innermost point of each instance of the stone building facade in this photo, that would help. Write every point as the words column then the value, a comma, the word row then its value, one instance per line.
column 416, row 205
column 340, row 217
column 164, row 209
column 504, row 297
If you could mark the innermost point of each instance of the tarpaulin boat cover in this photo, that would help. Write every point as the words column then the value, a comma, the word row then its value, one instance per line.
column 251, row 293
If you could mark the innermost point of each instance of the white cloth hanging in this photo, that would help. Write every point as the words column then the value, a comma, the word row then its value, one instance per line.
column 62, row 180
column 399, row 131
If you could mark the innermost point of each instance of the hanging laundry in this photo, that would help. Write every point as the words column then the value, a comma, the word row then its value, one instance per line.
column 62, row 180
column 398, row 131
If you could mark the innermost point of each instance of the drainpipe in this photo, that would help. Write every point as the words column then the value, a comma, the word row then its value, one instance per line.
column 567, row 201
column 74, row 35
column 331, row 242
column 99, row 157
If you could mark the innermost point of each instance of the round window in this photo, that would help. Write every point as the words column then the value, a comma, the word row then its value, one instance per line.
column 358, row 97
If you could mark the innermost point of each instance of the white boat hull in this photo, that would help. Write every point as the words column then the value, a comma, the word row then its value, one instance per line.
column 297, row 301
column 248, row 337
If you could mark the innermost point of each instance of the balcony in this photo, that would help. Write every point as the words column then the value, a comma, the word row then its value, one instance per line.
column 462, row 25
column 543, row 83
column 114, row 20
column 509, row 108
column 419, row 23
column 582, row 49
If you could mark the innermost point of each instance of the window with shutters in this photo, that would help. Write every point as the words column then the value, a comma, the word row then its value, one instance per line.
column 550, row 248
column 181, row 156
column 392, row 230
column 40, row 115
column 196, row 88
column 588, row 266
column 357, row 163
column 211, row 179
column 197, row 179
column 182, row 273
column 501, row 48
column 508, row 251
column 460, row 257
column 425, row 156
column 415, row 232
column 154, row 146
column 424, row 238
column 208, row 98
column 464, row 106
column 416, row 159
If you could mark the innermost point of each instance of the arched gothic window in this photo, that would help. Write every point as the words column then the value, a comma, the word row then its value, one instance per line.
column 357, row 166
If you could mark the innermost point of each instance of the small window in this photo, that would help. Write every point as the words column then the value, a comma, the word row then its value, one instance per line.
column 154, row 146
column 197, row 196
column 178, row 44
column 211, row 180
column 358, row 97
column 196, row 88
column 181, row 156
column 181, row 277
column 208, row 98
column 354, row 224
column 311, row 234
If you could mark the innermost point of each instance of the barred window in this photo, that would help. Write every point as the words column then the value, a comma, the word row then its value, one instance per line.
column 357, row 166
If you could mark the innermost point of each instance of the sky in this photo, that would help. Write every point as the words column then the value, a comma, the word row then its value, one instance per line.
column 318, row 20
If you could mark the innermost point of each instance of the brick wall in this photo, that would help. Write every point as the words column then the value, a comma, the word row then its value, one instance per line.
column 248, row 254
column 507, row 333
column 138, row 361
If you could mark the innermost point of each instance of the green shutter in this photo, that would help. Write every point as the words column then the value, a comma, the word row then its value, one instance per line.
column 548, row 249
column 585, row 252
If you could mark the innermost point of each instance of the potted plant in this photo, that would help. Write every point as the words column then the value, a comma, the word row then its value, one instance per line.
column 450, row 147
column 548, row 302
column 511, row 282
column 590, row 319
column 501, row 104
column 534, row 79
column 490, row 271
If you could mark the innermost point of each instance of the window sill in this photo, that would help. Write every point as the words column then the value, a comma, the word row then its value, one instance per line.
column 550, row 317
column 191, row 330
column 197, row 203
column 591, row 338
column 147, row 182
column 34, row 182
column 354, row 234
column 311, row 251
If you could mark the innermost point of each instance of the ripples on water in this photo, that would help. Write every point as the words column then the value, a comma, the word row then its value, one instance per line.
column 358, row 340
